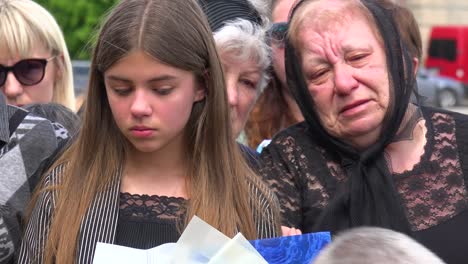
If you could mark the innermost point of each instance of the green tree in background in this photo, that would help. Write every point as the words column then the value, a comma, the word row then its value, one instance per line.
column 79, row 21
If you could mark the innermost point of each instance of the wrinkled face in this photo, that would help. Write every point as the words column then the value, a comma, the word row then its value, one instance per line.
column 242, row 83
column 280, row 14
column 346, row 75
column 151, row 102
column 19, row 94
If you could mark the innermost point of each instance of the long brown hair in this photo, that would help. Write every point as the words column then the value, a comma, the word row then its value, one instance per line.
column 176, row 33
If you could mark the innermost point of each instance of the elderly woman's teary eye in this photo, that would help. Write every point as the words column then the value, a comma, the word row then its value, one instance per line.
column 317, row 77
column 358, row 59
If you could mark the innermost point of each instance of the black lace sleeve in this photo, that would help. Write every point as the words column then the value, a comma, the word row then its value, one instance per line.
column 301, row 174
column 277, row 174
column 462, row 138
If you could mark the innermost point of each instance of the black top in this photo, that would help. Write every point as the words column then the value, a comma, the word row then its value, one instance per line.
column 434, row 193
column 148, row 221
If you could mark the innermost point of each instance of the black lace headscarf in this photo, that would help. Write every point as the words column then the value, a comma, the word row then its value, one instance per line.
column 368, row 197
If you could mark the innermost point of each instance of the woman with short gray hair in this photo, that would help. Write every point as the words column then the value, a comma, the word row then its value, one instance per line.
column 239, row 28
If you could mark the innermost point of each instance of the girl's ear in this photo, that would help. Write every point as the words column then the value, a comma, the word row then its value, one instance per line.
column 201, row 91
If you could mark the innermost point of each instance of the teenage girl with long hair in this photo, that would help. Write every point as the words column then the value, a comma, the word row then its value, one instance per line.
column 156, row 146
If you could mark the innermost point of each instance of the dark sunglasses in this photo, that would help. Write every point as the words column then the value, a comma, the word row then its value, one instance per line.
column 28, row 72
column 277, row 34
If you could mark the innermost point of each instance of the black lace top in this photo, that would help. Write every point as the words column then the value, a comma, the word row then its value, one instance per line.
column 149, row 221
column 434, row 192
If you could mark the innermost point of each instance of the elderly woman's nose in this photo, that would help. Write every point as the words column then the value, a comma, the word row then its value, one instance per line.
column 12, row 88
column 233, row 92
column 344, row 79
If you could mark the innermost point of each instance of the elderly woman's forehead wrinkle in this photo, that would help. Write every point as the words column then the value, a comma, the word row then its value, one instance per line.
column 322, row 44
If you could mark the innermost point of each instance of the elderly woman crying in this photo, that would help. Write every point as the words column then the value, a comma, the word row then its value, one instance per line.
column 365, row 154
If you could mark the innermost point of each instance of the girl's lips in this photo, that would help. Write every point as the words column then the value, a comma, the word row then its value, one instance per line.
column 142, row 133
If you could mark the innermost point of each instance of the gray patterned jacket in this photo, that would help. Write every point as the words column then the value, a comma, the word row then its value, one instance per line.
column 23, row 158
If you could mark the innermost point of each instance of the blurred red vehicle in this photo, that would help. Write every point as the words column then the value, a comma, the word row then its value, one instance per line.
column 448, row 52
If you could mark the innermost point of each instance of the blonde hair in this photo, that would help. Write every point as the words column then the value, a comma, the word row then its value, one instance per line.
column 25, row 23
column 176, row 33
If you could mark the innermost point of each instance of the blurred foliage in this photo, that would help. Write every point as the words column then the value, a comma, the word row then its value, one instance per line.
column 79, row 21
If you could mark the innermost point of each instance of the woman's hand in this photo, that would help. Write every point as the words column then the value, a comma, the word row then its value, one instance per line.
column 290, row 231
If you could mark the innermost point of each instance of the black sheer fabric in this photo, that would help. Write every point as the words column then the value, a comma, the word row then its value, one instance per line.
column 368, row 197
column 434, row 192
column 148, row 221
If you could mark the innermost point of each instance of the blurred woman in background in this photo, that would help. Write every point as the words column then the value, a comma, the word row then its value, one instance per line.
column 239, row 31
column 34, row 63
column 275, row 108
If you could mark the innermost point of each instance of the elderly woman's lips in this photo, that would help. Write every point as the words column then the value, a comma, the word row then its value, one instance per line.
column 354, row 106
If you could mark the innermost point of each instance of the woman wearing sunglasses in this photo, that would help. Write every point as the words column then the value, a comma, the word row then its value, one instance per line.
column 275, row 108
column 34, row 63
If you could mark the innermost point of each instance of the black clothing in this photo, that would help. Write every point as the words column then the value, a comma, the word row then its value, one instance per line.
column 148, row 221
column 434, row 194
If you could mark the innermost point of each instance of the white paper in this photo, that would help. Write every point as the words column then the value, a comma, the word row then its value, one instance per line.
column 238, row 251
column 114, row 254
column 200, row 243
